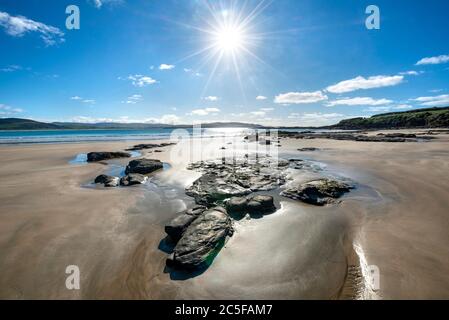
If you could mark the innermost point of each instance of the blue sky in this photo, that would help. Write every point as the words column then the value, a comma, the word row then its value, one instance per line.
column 284, row 62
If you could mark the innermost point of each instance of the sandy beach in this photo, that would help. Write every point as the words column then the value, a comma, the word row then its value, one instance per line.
column 396, row 219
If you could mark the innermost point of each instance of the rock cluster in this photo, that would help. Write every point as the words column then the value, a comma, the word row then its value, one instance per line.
column 222, row 181
column 354, row 136
column 100, row 156
column 133, row 179
column 317, row 192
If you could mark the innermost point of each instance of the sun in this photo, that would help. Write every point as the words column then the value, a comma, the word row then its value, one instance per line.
column 229, row 39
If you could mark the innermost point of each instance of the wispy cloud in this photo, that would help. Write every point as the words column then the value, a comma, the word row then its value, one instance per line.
column 100, row 3
column 211, row 98
column 360, row 82
column 6, row 110
column 166, row 66
column 316, row 118
column 411, row 73
column 18, row 26
column 78, row 98
column 164, row 119
column 300, row 97
column 434, row 101
column 358, row 101
column 135, row 98
column 205, row 111
column 139, row 80
column 433, row 60
column 261, row 98
column 11, row 68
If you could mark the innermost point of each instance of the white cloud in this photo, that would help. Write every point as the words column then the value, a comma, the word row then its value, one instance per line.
column 258, row 113
column 191, row 71
column 78, row 98
column 135, row 98
column 6, row 110
column 11, row 68
column 165, row 119
column 166, row 66
column 316, row 118
column 365, row 83
column 403, row 107
column 433, row 60
column 411, row 73
column 211, row 98
column 267, row 109
column 261, row 98
column 99, row 3
column 139, row 80
column 18, row 26
column 300, row 97
column 359, row 101
column 205, row 112
column 435, row 101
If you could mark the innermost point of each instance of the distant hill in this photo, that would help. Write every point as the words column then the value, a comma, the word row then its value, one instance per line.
column 25, row 124
column 418, row 118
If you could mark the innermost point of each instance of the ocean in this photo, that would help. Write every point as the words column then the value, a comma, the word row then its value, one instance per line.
column 68, row 136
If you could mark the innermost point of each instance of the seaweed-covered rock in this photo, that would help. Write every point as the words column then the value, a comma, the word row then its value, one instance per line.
column 176, row 228
column 143, row 166
column 107, row 181
column 318, row 192
column 100, row 156
column 133, row 179
column 202, row 240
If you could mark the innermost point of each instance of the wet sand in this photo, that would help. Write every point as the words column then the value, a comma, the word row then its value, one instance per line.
column 397, row 219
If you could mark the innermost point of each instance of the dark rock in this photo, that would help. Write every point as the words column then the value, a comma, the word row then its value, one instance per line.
column 202, row 240
column 258, row 204
column 107, row 181
column 318, row 192
column 146, row 146
column 176, row 228
column 133, row 179
column 261, row 204
column 143, row 166
column 308, row 149
column 100, row 156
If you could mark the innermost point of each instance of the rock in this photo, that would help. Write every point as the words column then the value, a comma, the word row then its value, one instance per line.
column 143, row 166
column 237, row 204
column 318, row 192
column 202, row 240
column 146, row 146
column 158, row 151
column 261, row 204
column 258, row 204
column 100, row 156
column 176, row 228
column 308, row 149
column 133, row 179
column 107, row 181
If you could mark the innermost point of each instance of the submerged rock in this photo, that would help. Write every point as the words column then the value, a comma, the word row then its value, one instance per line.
column 143, row 166
column 100, row 156
column 258, row 204
column 318, row 192
column 133, row 179
column 107, row 181
column 176, row 228
column 308, row 149
column 202, row 240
